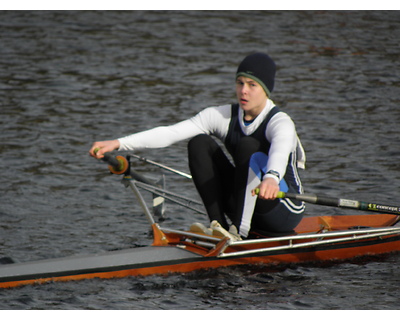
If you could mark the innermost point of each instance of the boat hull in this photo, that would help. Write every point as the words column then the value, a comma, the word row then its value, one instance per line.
column 173, row 253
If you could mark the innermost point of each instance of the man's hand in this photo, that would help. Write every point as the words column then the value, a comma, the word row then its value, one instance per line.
column 99, row 148
column 267, row 190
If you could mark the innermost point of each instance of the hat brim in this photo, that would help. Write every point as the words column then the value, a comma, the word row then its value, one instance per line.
column 244, row 74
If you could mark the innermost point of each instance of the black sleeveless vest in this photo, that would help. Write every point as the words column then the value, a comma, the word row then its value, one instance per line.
column 235, row 132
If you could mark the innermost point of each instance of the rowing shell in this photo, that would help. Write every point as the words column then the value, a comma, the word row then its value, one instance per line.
column 315, row 239
column 173, row 251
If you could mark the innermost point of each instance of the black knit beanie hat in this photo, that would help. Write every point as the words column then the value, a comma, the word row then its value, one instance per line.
column 259, row 67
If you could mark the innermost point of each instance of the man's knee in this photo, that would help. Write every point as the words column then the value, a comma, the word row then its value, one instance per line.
column 200, row 143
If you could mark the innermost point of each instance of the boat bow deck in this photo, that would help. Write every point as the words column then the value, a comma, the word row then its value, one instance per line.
column 135, row 258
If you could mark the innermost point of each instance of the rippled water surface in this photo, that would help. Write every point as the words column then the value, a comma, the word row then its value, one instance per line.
column 70, row 78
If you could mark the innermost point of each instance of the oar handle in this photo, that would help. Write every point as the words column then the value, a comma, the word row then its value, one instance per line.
column 310, row 198
column 116, row 164
column 112, row 161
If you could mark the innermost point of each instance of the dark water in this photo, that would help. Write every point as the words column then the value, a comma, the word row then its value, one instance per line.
column 70, row 78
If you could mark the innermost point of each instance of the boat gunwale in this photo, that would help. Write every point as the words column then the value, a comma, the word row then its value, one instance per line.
column 318, row 243
column 354, row 235
column 325, row 234
column 305, row 235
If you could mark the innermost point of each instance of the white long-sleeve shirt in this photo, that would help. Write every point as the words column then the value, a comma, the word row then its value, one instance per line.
column 280, row 132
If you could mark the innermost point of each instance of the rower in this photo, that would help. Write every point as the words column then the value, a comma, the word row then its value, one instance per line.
column 261, row 141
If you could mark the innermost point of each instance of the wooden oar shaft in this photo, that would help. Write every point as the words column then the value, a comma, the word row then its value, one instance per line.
column 342, row 203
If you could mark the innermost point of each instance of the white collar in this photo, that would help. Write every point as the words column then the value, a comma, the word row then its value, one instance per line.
column 250, row 128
